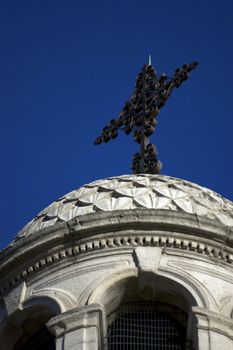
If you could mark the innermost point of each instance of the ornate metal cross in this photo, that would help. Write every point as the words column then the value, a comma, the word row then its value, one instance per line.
column 139, row 114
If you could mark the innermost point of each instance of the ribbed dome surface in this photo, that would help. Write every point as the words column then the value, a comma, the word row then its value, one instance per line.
column 134, row 191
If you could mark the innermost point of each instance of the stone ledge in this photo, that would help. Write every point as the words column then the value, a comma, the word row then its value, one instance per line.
column 127, row 228
column 81, row 317
column 117, row 220
column 213, row 322
column 128, row 241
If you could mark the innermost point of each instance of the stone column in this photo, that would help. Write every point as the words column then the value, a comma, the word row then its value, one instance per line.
column 214, row 330
column 82, row 328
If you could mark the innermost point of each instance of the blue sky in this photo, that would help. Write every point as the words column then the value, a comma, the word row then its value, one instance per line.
column 66, row 69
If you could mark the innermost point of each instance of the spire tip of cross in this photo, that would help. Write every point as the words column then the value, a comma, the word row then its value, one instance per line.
column 149, row 60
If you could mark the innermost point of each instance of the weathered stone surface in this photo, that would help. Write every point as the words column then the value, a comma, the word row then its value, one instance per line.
column 82, row 328
column 13, row 300
column 148, row 258
column 129, row 238
column 134, row 191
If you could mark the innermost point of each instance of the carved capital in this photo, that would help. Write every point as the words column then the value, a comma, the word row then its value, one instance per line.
column 216, row 329
column 82, row 317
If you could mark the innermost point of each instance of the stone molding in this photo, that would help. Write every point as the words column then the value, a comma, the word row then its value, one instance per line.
column 81, row 317
column 172, row 231
column 123, row 219
column 116, row 285
column 211, row 321
column 120, row 242
column 57, row 299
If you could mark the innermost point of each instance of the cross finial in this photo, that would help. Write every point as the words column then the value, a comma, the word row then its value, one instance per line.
column 139, row 114
column 149, row 60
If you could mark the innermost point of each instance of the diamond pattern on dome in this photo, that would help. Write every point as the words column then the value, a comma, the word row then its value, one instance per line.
column 134, row 191
column 146, row 200
column 184, row 204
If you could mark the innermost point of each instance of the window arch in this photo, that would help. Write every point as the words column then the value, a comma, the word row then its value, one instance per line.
column 145, row 325
column 34, row 333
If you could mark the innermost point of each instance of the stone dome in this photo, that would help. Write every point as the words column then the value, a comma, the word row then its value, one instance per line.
column 130, row 192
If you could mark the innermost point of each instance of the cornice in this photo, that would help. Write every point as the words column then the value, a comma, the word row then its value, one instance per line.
column 124, row 229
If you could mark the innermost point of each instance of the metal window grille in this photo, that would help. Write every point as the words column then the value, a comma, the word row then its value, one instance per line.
column 147, row 326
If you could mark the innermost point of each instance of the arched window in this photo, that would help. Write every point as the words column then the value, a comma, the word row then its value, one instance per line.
column 146, row 326
column 35, row 335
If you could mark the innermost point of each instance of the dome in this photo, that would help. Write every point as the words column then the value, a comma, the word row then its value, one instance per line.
column 151, row 241
column 130, row 192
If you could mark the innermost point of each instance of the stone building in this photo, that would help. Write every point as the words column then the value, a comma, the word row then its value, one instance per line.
column 129, row 262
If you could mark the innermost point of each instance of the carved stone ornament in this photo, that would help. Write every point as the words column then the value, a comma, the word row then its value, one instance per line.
column 132, row 192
